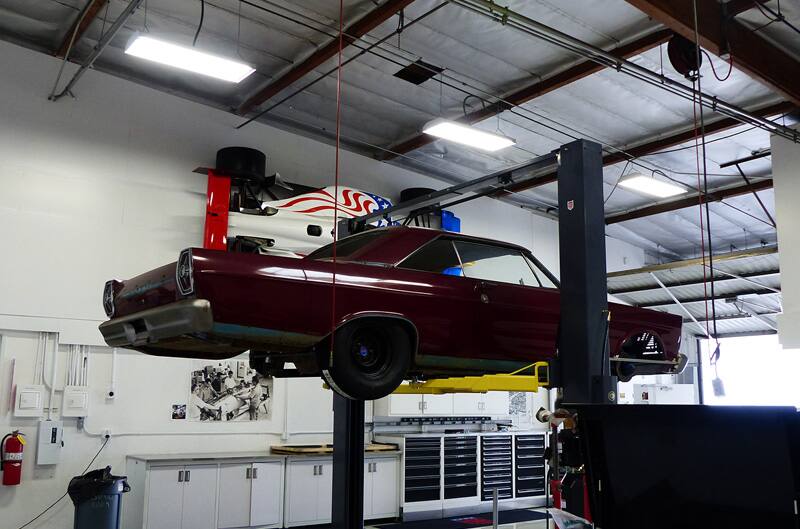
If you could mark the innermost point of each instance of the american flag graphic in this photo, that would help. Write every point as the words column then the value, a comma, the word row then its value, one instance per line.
column 351, row 202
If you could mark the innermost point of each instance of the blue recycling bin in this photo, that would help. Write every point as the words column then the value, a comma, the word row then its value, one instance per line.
column 97, row 496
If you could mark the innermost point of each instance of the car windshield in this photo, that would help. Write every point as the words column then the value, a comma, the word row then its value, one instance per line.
column 347, row 246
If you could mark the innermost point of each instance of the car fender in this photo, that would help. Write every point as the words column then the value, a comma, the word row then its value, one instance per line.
column 349, row 318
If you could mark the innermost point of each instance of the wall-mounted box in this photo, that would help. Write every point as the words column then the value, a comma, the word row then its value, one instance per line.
column 29, row 401
column 49, row 442
column 76, row 401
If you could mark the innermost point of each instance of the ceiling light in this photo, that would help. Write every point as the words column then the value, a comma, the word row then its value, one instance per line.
column 649, row 185
column 466, row 135
column 187, row 59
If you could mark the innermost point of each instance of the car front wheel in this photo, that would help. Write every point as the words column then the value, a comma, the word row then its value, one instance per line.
column 368, row 360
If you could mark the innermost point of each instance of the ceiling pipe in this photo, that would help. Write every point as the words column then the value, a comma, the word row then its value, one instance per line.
column 98, row 49
column 523, row 23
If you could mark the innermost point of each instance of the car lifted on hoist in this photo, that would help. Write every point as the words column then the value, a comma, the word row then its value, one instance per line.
column 397, row 303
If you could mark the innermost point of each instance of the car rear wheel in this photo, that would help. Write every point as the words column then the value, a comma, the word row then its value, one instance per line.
column 369, row 360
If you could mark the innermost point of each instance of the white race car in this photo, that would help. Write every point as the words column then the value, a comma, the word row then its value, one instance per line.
column 298, row 225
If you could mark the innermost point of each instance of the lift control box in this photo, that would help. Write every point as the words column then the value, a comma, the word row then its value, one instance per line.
column 49, row 442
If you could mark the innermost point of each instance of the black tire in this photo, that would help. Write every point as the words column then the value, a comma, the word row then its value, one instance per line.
column 370, row 359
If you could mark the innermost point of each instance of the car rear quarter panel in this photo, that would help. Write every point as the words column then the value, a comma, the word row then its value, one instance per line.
column 627, row 321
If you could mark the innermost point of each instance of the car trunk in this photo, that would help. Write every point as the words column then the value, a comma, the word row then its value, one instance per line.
column 151, row 289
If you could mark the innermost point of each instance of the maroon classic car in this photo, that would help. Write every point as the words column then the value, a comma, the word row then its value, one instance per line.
column 406, row 303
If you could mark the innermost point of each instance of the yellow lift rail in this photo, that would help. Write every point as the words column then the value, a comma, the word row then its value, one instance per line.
column 504, row 382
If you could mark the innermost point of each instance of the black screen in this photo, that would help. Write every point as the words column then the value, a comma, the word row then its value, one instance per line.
column 691, row 466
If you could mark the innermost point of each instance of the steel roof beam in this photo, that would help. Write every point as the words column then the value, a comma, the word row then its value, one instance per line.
column 677, row 138
column 714, row 195
column 695, row 282
column 720, row 297
column 538, row 88
column 723, row 35
column 355, row 31
column 698, row 261
column 79, row 27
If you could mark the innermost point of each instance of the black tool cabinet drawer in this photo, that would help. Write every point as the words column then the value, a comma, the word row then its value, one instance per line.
column 460, row 467
column 530, row 465
column 496, row 466
column 423, row 469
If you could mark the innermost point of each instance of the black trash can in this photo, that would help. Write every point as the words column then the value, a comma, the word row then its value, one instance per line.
column 97, row 496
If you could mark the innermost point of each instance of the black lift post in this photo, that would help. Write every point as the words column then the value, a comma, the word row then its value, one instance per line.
column 585, row 375
column 348, row 463
column 583, row 346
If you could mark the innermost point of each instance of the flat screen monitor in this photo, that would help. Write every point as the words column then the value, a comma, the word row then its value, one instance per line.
column 670, row 467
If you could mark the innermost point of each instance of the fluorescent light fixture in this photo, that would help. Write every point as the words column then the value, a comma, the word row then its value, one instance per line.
column 466, row 135
column 649, row 185
column 188, row 59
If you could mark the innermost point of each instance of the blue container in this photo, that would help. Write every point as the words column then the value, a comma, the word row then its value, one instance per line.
column 97, row 496
column 450, row 222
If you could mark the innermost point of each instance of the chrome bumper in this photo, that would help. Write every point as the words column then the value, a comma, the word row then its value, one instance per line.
column 187, row 316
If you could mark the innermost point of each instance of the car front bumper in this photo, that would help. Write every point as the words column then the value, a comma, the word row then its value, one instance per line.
column 188, row 316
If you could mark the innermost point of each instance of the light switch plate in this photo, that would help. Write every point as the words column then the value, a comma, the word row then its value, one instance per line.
column 48, row 443
column 76, row 401
column 29, row 401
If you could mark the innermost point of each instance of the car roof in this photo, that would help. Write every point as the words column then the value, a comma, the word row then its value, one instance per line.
column 398, row 242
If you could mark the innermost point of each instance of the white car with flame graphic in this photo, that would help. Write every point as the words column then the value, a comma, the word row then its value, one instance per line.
column 301, row 224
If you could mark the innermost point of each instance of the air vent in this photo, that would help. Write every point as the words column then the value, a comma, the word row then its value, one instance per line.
column 418, row 72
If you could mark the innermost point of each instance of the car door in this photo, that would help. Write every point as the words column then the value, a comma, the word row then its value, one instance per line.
column 443, row 305
column 517, row 315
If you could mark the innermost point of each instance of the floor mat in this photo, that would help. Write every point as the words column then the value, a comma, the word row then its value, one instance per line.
column 470, row 521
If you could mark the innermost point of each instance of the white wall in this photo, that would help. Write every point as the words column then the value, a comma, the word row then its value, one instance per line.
column 786, row 179
column 100, row 187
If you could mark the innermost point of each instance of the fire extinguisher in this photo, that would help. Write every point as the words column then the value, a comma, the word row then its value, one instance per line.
column 11, row 457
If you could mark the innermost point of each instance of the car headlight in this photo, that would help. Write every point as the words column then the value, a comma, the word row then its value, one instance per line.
column 108, row 298
column 184, row 275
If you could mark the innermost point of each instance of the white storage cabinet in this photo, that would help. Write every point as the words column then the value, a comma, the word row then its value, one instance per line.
column 309, row 482
column 250, row 495
column 493, row 403
column 219, row 493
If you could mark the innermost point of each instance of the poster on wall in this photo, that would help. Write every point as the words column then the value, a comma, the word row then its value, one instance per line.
column 228, row 390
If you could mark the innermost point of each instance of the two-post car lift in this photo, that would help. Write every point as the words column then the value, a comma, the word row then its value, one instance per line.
column 582, row 374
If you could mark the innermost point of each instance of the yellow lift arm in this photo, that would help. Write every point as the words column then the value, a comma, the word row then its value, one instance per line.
column 503, row 382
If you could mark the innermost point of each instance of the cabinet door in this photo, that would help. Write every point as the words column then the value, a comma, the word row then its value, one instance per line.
column 496, row 403
column 467, row 404
column 437, row 404
column 402, row 404
column 164, row 497
column 324, row 492
column 302, row 491
column 234, row 496
column 199, row 497
column 267, row 497
column 385, row 488
column 368, row 488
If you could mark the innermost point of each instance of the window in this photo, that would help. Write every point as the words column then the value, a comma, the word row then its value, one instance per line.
column 347, row 246
column 496, row 263
column 538, row 271
column 437, row 256
column 751, row 371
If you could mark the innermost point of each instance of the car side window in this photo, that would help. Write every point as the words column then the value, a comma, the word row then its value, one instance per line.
column 437, row 256
column 495, row 263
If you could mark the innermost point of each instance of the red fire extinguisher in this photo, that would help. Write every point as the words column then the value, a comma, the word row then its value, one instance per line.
column 11, row 457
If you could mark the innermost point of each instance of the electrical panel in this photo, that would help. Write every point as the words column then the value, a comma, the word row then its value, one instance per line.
column 76, row 401
column 29, row 401
column 49, row 442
